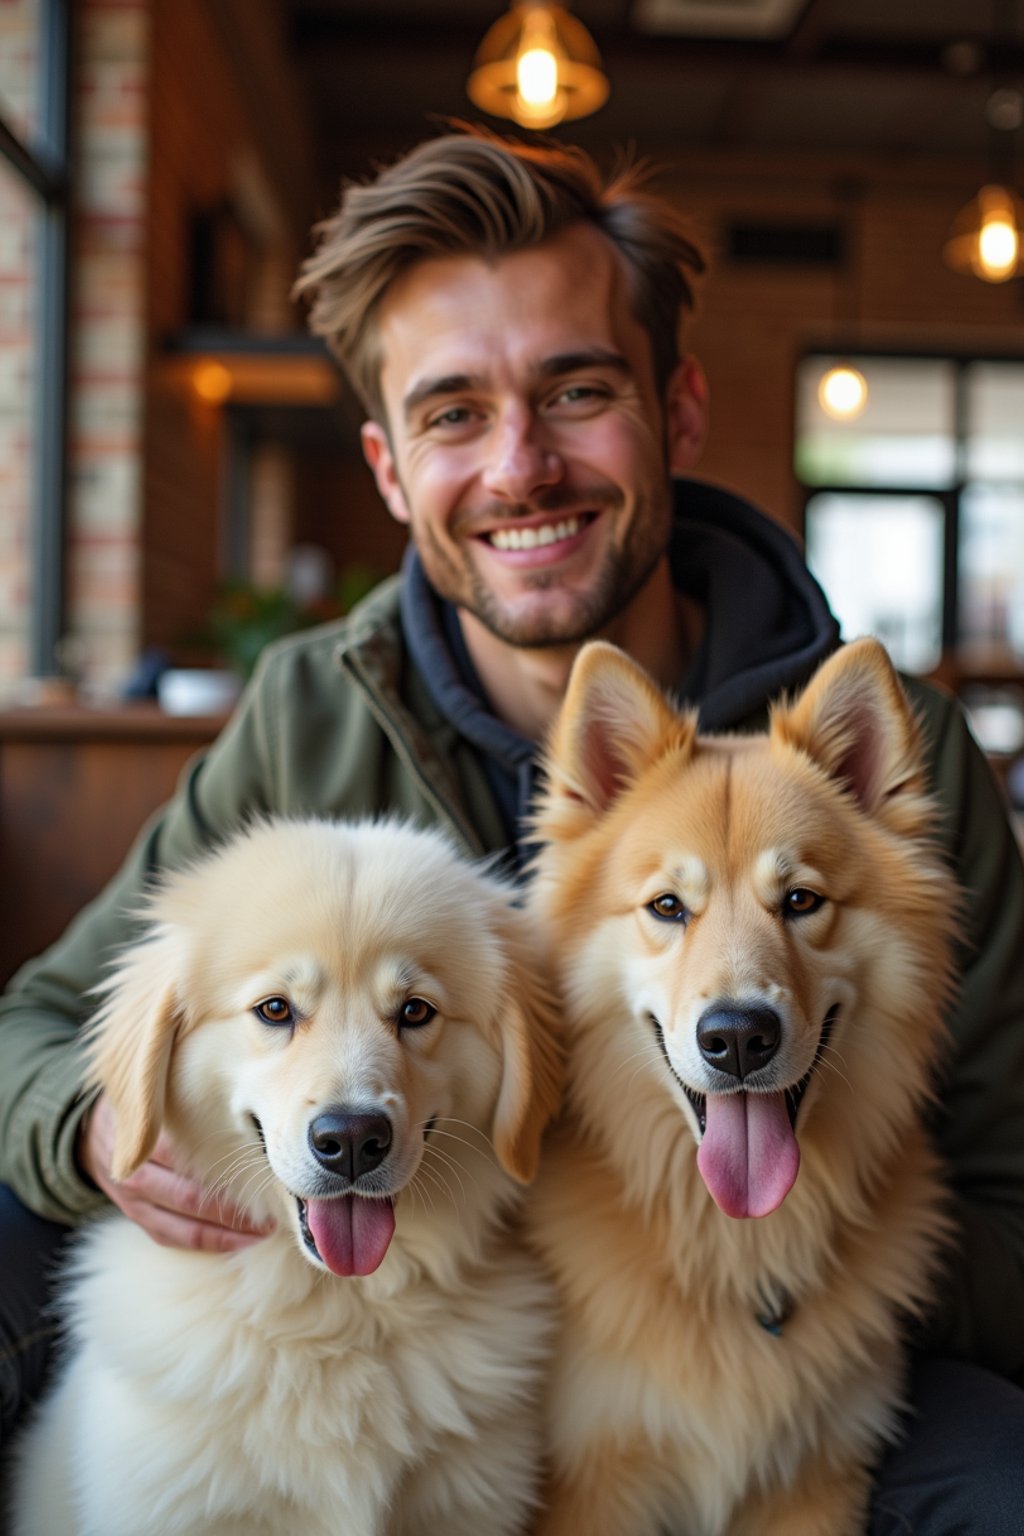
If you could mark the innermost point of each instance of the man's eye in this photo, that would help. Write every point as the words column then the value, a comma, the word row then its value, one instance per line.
column 580, row 394
column 415, row 1012
column 668, row 909
column 454, row 416
column 800, row 902
column 275, row 1010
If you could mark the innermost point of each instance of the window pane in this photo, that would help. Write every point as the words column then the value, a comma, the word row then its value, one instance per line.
column 995, row 421
column 18, row 216
column 879, row 559
column 903, row 436
column 21, row 66
column 991, row 570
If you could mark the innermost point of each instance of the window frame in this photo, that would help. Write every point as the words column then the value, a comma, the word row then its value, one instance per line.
column 950, row 496
column 43, row 166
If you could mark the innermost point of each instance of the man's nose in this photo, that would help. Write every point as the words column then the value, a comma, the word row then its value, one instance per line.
column 521, row 460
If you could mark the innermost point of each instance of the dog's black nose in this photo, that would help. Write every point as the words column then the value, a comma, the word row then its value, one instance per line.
column 349, row 1143
column 738, row 1040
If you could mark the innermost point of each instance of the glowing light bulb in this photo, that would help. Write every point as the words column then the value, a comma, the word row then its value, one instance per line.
column 211, row 381
column 843, row 392
column 537, row 77
column 998, row 247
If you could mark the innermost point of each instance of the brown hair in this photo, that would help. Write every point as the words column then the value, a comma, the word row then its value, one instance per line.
column 472, row 192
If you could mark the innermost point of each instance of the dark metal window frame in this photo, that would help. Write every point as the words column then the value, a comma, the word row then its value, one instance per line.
column 951, row 495
column 43, row 166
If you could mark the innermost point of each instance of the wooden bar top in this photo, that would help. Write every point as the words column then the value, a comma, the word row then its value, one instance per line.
column 142, row 721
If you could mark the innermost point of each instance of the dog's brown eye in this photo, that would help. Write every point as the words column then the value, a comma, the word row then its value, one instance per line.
column 801, row 901
column 416, row 1012
column 275, row 1010
column 668, row 908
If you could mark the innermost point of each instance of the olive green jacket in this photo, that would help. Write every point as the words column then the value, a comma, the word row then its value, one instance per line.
column 340, row 722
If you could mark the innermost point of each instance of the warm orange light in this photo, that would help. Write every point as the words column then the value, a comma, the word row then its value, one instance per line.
column 843, row 392
column 211, row 381
column 985, row 240
column 539, row 66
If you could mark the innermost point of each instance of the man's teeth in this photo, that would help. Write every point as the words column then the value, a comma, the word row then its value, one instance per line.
column 535, row 538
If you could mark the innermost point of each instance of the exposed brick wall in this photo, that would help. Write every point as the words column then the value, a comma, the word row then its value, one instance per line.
column 17, row 291
column 107, row 333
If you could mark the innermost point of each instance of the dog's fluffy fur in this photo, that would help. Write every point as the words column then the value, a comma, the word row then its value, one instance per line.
column 276, row 1021
column 734, row 918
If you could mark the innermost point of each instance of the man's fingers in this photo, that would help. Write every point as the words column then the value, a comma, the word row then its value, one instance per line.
column 174, row 1210
column 172, row 1230
column 159, row 1186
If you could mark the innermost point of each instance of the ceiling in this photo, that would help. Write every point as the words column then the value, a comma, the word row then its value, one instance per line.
column 899, row 79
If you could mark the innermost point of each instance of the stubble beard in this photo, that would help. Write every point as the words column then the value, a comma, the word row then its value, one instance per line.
column 624, row 573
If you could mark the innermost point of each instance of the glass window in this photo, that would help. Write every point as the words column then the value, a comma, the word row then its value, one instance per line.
column 21, row 67
column 880, row 559
column 904, row 436
column 995, row 421
column 19, row 217
column 991, row 573
column 34, row 185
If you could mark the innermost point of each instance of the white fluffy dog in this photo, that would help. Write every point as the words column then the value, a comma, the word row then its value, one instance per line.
column 339, row 1027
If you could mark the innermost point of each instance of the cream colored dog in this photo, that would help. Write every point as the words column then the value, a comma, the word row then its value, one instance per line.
column 741, row 1206
column 338, row 1026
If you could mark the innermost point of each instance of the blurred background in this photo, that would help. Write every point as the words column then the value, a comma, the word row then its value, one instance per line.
column 180, row 475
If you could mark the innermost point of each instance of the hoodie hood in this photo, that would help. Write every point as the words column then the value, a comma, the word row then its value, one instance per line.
column 768, row 624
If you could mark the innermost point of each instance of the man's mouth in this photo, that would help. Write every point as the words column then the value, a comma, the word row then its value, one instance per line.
column 538, row 535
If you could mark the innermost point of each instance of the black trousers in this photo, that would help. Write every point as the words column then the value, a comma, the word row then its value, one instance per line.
column 959, row 1470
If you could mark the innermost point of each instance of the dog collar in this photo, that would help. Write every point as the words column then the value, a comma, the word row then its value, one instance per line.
column 775, row 1313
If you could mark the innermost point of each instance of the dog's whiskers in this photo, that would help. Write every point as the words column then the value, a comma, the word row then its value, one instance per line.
column 835, row 1062
column 484, row 1151
column 645, row 1055
column 249, row 1160
column 431, row 1175
column 448, row 1164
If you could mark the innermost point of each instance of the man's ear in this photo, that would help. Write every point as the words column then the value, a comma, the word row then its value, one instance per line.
column 377, row 453
column 686, row 414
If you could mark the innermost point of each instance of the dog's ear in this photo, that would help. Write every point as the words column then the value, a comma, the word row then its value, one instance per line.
column 855, row 720
column 129, row 1045
column 532, row 1069
column 613, row 723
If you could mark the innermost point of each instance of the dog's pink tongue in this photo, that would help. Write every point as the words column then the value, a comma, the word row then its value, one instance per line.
column 748, row 1157
column 352, row 1234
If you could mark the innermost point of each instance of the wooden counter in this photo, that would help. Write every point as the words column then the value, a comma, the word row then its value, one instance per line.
column 76, row 784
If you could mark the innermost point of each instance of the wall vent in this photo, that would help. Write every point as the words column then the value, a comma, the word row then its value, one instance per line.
column 784, row 245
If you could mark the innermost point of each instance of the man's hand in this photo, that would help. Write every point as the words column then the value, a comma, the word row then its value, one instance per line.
column 175, row 1211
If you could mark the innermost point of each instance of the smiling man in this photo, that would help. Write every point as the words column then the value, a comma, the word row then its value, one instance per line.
column 526, row 445
column 516, row 327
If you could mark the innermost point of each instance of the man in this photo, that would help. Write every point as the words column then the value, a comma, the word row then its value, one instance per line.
column 513, row 326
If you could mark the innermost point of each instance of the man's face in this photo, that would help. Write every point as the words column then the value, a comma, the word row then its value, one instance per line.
column 526, row 446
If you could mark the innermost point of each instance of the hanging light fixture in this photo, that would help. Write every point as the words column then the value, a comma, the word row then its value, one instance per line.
column 843, row 389
column 986, row 239
column 539, row 66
